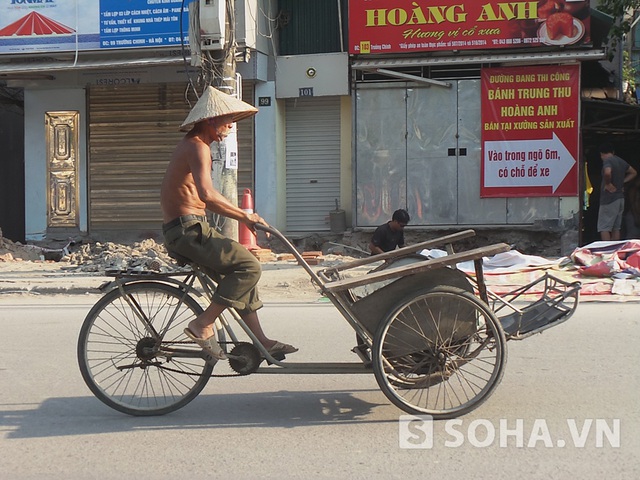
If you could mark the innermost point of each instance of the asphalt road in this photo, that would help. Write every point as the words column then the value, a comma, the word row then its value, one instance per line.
column 567, row 407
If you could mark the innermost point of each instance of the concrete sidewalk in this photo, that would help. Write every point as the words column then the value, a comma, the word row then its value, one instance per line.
column 51, row 283
column 279, row 281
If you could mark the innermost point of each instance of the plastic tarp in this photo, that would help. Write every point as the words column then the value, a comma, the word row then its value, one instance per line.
column 506, row 262
column 619, row 259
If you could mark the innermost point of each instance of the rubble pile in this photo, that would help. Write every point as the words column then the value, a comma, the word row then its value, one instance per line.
column 143, row 256
column 16, row 252
column 146, row 255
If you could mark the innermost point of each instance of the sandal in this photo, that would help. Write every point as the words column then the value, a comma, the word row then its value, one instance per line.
column 281, row 348
column 209, row 345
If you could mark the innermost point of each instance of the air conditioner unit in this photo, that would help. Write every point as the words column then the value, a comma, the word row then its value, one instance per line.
column 212, row 24
column 246, row 23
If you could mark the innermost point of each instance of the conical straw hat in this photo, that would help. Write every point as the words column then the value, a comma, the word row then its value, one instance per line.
column 214, row 103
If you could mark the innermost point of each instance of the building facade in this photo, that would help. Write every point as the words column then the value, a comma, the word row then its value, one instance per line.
column 351, row 116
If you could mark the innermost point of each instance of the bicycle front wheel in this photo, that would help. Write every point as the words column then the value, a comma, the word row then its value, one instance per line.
column 441, row 353
column 133, row 353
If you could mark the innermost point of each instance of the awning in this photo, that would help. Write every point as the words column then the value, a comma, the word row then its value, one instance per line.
column 14, row 69
column 610, row 116
column 520, row 58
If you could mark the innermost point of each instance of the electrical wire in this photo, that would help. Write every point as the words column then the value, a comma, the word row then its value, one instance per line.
column 184, row 53
column 77, row 47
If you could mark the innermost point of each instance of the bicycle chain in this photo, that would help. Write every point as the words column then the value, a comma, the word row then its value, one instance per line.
column 222, row 375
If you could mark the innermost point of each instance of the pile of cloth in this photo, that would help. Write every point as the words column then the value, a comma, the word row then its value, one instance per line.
column 603, row 268
column 614, row 263
column 619, row 259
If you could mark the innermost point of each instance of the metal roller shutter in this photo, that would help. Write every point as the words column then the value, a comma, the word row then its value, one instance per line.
column 132, row 133
column 245, row 146
column 313, row 162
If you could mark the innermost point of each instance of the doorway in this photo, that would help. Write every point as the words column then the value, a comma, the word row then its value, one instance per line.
column 12, row 186
column 419, row 148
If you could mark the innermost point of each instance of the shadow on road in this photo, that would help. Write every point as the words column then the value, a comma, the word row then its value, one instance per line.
column 283, row 409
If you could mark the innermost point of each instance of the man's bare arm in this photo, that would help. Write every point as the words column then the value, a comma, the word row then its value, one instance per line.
column 376, row 250
column 630, row 174
column 200, row 165
column 606, row 176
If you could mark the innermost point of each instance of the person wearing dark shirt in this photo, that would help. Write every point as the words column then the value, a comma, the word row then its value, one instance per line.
column 390, row 235
column 615, row 173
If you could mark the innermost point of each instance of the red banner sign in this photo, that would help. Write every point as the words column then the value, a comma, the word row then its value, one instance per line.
column 530, row 131
column 406, row 26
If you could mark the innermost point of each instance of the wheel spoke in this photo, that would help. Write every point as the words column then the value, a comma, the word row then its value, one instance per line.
column 125, row 349
column 441, row 352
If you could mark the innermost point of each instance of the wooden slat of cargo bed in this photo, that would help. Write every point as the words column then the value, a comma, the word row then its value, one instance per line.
column 427, row 264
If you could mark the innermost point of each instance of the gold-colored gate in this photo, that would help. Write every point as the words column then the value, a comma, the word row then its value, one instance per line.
column 62, row 169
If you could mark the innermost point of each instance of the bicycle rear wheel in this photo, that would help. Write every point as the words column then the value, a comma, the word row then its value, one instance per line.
column 441, row 353
column 133, row 353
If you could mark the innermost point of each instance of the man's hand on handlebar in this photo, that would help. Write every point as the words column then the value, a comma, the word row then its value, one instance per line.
column 253, row 219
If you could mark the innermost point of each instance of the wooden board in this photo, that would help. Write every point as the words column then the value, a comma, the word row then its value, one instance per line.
column 428, row 264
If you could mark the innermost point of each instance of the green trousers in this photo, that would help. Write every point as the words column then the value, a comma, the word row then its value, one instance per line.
column 229, row 264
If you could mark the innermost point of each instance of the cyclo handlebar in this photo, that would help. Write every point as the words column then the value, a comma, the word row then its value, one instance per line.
column 291, row 249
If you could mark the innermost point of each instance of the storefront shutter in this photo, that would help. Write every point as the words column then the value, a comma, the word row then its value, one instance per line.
column 245, row 146
column 313, row 162
column 132, row 132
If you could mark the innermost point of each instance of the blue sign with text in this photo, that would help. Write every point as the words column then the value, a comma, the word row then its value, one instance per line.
column 40, row 26
column 143, row 23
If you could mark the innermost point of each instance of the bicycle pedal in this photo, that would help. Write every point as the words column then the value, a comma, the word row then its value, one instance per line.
column 363, row 353
column 277, row 356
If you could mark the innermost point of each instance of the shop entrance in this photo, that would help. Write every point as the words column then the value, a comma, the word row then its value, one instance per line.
column 619, row 124
column 12, row 186
column 419, row 148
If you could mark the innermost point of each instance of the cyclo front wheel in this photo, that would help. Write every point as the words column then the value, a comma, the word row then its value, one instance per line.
column 133, row 353
column 441, row 353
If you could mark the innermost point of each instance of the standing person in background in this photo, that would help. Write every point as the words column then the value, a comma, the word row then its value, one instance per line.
column 390, row 235
column 615, row 173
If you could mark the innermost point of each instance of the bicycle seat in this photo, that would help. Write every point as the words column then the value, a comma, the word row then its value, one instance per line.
column 182, row 261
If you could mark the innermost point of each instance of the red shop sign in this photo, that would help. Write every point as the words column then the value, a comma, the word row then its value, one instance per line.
column 530, row 131
column 407, row 26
